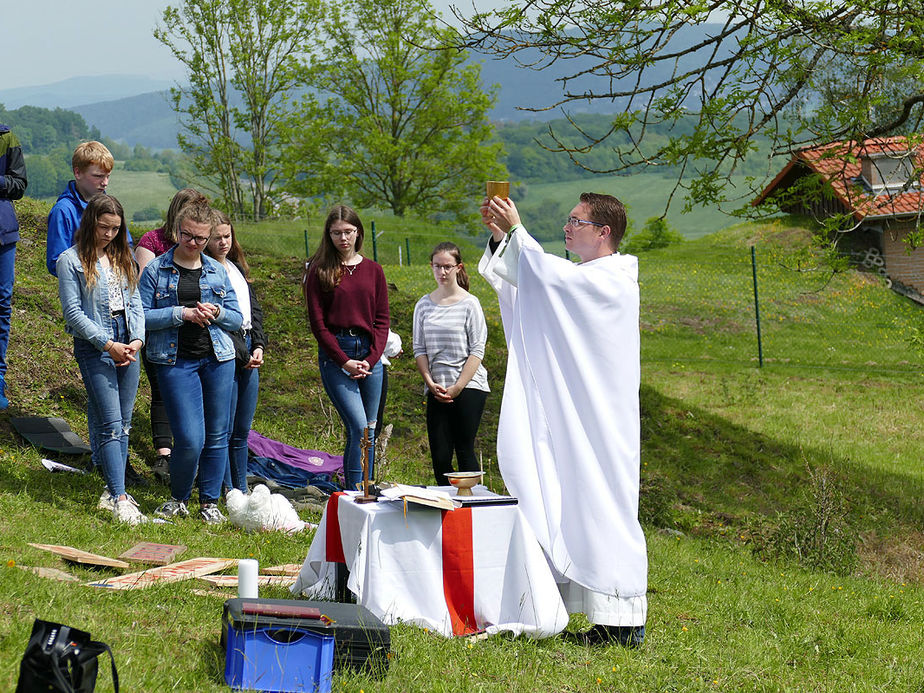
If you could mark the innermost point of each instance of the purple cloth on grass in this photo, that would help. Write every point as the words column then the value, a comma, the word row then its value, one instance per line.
column 310, row 460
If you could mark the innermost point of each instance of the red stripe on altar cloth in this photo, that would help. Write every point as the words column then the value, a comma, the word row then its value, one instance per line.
column 459, row 570
column 333, row 543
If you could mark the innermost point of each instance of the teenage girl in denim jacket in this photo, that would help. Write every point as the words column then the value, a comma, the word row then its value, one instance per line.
column 190, row 308
column 97, row 284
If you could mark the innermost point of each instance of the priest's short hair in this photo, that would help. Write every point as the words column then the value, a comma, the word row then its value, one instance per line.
column 606, row 209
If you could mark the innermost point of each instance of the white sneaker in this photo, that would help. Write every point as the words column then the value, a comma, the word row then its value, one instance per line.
column 127, row 511
column 210, row 513
column 106, row 501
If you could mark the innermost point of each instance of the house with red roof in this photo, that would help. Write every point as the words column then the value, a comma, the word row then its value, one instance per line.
column 876, row 187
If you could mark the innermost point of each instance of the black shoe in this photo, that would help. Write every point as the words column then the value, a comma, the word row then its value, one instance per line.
column 161, row 469
column 133, row 478
column 627, row 636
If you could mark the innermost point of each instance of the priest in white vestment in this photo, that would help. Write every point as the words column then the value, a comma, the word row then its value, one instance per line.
column 568, row 442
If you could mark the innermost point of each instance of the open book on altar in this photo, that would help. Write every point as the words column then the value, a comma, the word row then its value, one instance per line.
column 444, row 500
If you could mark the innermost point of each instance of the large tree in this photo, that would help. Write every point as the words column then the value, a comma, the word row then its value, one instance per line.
column 395, row 123
column 242, row 60
column 729, row 75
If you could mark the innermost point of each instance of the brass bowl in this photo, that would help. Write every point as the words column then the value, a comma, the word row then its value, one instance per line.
column 463, row 481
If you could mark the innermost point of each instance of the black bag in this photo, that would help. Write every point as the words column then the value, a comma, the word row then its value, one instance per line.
column 60, row 659
column 241, row 352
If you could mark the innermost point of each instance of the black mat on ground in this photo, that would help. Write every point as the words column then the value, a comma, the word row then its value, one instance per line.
column 50, row 433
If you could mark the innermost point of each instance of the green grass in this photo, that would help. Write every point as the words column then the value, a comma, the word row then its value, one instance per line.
column 730, row 452
column 644, row 194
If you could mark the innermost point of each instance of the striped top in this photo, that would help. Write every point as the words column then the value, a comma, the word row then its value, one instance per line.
column 448, row 335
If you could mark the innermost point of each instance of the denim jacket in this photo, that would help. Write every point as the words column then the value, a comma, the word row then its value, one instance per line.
column 163, row 315
column 86, row 311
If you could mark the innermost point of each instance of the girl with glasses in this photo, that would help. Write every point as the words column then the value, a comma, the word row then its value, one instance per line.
column 98, row 288
column 154, row 244
column 190, row 307
column 449, row 340
column 347, row 300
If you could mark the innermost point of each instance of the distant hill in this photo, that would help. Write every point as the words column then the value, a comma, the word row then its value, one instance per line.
column 146, row 119
column 78, row 91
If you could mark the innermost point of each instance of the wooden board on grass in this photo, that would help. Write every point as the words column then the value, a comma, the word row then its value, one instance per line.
column 69, row 553
column 52, row 573
column 262, row 580
column 154, row 554
column 285, row 569
column 184, row 570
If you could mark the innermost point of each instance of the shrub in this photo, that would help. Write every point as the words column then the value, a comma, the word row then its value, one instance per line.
column 817, row 531
column 657, row 233
column 149, row 213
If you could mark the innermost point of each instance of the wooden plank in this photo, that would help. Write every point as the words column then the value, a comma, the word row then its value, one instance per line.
column 69, row 553
column 52, row 573
column 262, row 580
column 184, row 570
column 284, row 569
column 154, row 554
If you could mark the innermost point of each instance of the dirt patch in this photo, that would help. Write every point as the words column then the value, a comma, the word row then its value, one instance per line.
column 659, row 316
column 896, row 557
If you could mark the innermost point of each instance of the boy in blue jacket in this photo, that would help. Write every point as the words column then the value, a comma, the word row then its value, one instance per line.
column 92, row 163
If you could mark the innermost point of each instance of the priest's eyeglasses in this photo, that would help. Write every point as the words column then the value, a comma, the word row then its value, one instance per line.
column 574, row 221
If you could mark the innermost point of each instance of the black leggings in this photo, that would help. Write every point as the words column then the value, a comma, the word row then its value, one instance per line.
column 161, row 434
column 452, row 427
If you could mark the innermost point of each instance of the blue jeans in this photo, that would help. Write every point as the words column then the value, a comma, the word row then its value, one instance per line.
column 111, row 394
column 289, row 476
column 243, row 405
column 7, row 277
column 196, row 394
column 357, row 402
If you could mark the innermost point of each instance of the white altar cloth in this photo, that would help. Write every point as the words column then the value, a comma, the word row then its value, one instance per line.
column 455, row 572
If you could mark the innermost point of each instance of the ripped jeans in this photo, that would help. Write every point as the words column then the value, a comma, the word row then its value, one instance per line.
column 357, row 402
column 111, row 394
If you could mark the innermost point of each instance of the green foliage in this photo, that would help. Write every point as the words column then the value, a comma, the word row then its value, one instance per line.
column 656, row 233
column 152, row 212
column 242, row 60
column 400, row 124
column 44, row 131
column 48, row 175
column 701, row 97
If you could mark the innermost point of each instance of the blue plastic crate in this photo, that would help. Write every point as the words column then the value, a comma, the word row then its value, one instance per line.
column 285, row 658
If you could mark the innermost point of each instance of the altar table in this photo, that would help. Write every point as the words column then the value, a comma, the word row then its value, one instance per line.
column 455, row 572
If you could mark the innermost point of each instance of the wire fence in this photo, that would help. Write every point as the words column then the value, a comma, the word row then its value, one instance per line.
column 766, row 305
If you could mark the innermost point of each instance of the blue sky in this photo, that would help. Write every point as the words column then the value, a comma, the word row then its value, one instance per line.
column 54, row 40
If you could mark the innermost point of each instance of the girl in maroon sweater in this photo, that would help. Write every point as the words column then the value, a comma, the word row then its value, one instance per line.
column 348, row 309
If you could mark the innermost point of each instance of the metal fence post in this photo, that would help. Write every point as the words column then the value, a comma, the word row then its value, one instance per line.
column 375, row 244
column 760, row 348
column 407, row 244
column 307, row 254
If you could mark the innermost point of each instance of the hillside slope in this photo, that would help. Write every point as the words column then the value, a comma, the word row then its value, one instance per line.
column 740, row 467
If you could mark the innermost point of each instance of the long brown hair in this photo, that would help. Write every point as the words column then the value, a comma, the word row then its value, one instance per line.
column 118, row 250
column 453, row 249
column 181, row 199
column 326, row 259
column 236, row 253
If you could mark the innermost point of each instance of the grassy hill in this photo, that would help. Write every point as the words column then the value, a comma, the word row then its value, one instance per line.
column 781, row 505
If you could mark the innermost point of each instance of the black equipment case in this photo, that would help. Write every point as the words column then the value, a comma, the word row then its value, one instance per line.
column 362, row 641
